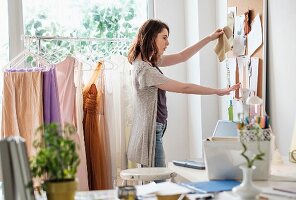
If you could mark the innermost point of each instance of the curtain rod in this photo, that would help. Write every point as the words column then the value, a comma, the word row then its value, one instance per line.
column 75, row 38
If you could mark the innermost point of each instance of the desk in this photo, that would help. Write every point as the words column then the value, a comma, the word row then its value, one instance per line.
column 282, row 175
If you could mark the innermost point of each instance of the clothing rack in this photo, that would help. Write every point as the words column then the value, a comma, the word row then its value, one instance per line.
column 110, row 46
column 75, row 38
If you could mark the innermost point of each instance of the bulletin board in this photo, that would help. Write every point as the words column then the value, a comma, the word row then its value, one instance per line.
column 255, row 7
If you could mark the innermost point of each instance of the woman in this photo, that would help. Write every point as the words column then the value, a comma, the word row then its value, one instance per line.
column 150, row 86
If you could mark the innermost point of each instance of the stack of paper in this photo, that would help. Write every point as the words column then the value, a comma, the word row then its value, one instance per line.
column 164, row 189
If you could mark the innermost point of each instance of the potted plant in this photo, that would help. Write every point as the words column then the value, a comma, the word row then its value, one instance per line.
column 248, row 134
column 56, row 161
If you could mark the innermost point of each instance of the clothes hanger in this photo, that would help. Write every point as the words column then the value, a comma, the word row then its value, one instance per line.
column 36, row 61
column 85, row 59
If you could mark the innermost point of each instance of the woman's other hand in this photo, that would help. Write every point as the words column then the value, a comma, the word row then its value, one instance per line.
column 226, row 91
column 216, row 34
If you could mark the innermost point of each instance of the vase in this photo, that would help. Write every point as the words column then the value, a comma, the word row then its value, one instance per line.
column 246, row 190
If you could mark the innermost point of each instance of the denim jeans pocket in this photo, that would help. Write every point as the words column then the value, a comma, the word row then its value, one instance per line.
column 160, row 129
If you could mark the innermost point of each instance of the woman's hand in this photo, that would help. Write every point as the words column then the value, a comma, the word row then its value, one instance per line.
column 215, row 34
column 226, row 91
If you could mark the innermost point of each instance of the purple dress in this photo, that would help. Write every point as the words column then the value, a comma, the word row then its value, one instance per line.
column 51, row 104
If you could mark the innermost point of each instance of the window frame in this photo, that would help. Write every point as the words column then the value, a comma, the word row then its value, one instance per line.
column 16, row 30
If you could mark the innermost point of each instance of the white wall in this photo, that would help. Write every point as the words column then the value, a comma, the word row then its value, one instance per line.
column 176, row 135
column 201, row 69
column 208, row 66
column 193, row 76
column 281, row 70
column 191, row 117
column 221, row 13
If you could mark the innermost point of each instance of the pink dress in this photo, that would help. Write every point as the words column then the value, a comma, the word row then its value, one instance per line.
column 67, row 96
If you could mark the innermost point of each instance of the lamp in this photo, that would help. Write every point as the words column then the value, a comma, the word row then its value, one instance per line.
column 254, row 101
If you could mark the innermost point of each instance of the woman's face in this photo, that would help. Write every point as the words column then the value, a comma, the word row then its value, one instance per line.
column 162, row 41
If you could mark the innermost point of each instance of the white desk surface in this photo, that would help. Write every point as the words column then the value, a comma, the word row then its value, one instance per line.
column 283, row 175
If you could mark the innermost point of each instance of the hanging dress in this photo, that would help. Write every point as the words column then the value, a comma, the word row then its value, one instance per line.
column 22, row 107
column 51, row 103
column 97, row 145
column 67, row 95
column 118, row 111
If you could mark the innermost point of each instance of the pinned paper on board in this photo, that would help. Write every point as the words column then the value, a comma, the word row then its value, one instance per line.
column 231, row 14
column 238, row 108
column 231, row 69
column 239, row 45
column 239, row 24
column 253, row 74
column 255, row 36
column 243, row 66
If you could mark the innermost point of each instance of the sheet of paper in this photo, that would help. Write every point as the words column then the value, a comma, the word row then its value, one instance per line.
column 146, row 189
column 255, row 36
column 237, row 109
column 253, row 71
column 239, row 25
column 231, row 63
column 243, row 65
column 239, row 45
column 169, row 188
column 231, row 14
column 164, row 188
column 231, row 74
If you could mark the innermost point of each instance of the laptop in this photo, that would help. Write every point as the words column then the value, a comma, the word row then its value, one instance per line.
column 225, row 128
column 223, row 158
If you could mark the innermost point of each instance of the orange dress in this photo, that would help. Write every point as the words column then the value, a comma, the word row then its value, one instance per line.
column 97, row 144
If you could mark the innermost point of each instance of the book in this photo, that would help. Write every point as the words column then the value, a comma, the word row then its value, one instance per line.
column 15, row 168
column 211, row 186
column 190, row 164
column 25, row 167
column 7, row 173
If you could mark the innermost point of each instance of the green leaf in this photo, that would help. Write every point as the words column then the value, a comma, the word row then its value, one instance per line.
column 40, row 32
column 37, row 25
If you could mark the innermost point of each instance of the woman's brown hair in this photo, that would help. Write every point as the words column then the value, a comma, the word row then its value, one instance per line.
column 144, row 43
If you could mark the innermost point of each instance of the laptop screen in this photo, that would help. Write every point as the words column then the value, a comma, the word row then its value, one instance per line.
column 225, row 128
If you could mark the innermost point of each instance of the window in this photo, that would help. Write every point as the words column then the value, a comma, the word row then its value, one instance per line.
column 3, row 33
column 83, row 18
column 80, row 18
column 4, row 49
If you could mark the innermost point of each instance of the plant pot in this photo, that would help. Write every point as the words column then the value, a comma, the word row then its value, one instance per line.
column 246, row 190
column 61, row 190
column 251, row 135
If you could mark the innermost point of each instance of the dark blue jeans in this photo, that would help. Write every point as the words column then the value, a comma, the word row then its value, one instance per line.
column 159, row 151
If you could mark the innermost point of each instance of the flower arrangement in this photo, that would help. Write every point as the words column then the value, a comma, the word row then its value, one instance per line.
column 249, row 133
